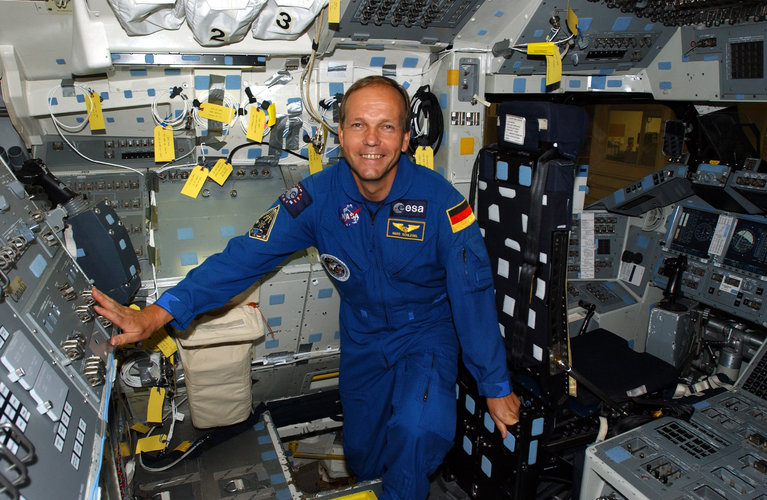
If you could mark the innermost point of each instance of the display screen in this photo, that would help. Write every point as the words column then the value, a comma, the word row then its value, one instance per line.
column 694, row 231
column 748, row 247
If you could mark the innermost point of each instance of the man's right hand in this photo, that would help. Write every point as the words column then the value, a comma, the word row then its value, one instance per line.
column 135, row 325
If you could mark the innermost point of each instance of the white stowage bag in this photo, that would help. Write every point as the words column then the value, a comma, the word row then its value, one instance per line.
column 286, row 19
column 143, row 17
column 216, row 352
column 220, row 22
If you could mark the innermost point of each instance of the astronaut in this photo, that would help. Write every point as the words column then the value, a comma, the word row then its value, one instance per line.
column 415, row 285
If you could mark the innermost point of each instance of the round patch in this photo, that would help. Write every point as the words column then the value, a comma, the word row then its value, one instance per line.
column 349, row 213
column 335, row 267
column 398, row 208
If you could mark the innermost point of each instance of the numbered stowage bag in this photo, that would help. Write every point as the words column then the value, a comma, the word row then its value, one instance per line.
column 143, row 17
column 216, row 352
column 221, row 22
column 286, row 19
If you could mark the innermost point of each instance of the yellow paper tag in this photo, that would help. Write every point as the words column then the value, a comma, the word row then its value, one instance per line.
column 334, row 11
column 553, row 69
column 183, row 446
column 572, row 20
column 160, row 341
column 215, row 112
column 315, row 160
column 195, row 181
column 272, row 115
column 125, row 449
column 164, row 150
column 256, row 125
column 220, row 171
column 154, row 408
column 140, row 428
column 453, row 75
column 93, row 106
column 541, row 49
column 151, row 443
column 424, row 156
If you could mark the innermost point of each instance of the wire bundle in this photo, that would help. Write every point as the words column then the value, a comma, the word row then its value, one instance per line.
column 426, row 123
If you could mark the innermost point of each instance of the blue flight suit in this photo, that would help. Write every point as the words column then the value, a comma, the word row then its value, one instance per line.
column 414, row 279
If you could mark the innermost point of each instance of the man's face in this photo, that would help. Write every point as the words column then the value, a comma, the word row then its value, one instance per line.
column 373, row 138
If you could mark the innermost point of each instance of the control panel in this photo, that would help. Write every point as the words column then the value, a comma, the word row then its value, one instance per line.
column 55, row 361
column 596, row 244
column 726, row 259
column 606, row 39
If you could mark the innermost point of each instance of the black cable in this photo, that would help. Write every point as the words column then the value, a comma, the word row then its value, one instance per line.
column 256, row 143
column 425, row 105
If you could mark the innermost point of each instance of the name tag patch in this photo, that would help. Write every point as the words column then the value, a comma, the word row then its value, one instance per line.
column 405, row 229
column 408, row 208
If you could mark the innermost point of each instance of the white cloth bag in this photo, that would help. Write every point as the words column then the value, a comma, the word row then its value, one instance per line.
column 140, row 17
column 221, row 22
column 286, row 19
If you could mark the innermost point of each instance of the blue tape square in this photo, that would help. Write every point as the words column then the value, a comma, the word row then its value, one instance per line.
column 614, row 84
column 617, row 454
column 502, row 170
column 172, row 71
column 227, row 231
column 228, row 61
column 518, row 85
column 510, row 442
column 470, row 404
column 598, row 82
column 315, row 337
column 337, row 335
column 283, row 494
column 498, row 13
column 410, row 62
column 38, row 265
column 584, row 23
column 405, row 85
column 543, row 85
column 151, row 92
column 53, row 101
column 188, row 259
column 268, row 455
column 80, row 98
column 537, row 33
column 137, row 73
column 201, row 82
column 185, row 233
column 272, row 344
column 325, row 293
column 377, row 61
column 60, row 61
column 574, row 84
column 192, row 58
column 276, row 479
column 275, row 321
column 525, row 175
column 486, row 466
column 664, row 65
column 335, row 88
column 277, row 298
column 649, row 26
column 232, row 82
column 254, row 153
column 139, row 119
column 621, row 24
column 489, row 424
column 532, row 455
column 110, row 119
column 128, row 94
column 149, row 58
column 264, row 439
column 537, row 427
column 664, row 85
column 482, row 32
column 443, row 100
column 467, row 446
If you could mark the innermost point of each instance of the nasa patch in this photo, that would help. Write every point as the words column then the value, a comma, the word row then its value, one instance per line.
column 295, row 200
column 408, row 208
column 263, row 226
column 335, row 267
column 349, row 213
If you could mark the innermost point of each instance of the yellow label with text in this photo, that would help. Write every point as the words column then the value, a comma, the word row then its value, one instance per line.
column 164, row 150
column 334, row 11
column 216, row 112
column 154, row 408
column 541, row 48
column 256, row 125
column 220, row 171
column 160, row 341
column 152, row 443
column 95, row 117
column 424, row 156
column 553, row 69
column 195, row 181
column 272, row 115
column 315, row 160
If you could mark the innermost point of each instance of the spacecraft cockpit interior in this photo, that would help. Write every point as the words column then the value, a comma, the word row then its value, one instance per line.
column 613, row 156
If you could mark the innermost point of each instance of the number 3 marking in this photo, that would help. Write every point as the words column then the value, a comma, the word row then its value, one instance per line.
column 284, row 23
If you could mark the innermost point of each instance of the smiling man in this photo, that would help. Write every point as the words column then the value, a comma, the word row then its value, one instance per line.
column 415, row 284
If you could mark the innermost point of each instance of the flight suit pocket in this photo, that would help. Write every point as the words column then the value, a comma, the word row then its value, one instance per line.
column 476, row 266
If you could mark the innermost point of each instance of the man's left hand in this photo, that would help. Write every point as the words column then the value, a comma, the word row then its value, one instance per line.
column 504, row 411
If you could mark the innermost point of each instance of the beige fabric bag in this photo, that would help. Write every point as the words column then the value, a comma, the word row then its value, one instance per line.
column 215, row 352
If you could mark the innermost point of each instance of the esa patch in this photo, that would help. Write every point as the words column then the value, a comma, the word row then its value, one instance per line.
column 460, row 216
column 263, row 226
column 349, row 213
column 335, row 267
column 405, row 229
column 295, row 200
column 408, row 208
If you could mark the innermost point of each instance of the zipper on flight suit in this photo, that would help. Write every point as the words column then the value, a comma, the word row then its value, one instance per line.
column 428, row 380
column 372, row 225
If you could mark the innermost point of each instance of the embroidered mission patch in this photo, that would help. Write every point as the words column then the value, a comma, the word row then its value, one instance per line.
column 405, row 229
column 335, row 267
column 295, row 200
column 263, row 226
column 460, row 216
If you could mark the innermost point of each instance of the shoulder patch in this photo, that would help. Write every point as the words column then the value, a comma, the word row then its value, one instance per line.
column 460, row 216
column 263, row 226
column 295, row 200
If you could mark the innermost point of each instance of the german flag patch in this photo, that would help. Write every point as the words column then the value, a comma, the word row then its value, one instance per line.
column 460, row 216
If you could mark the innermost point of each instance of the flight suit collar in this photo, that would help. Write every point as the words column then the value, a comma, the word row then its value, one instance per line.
column 402, row 180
